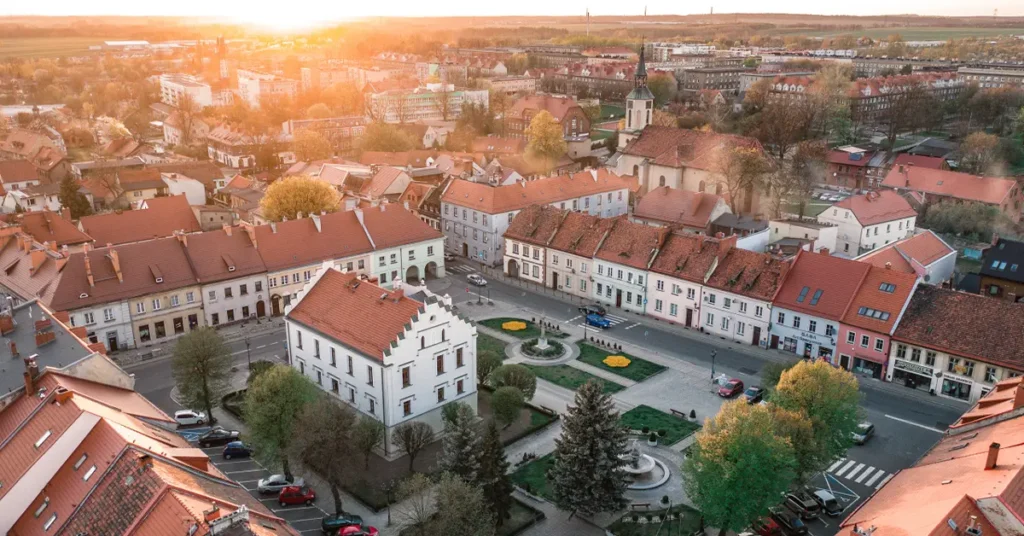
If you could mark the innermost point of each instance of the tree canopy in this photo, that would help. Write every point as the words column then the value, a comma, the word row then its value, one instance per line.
column 201, row 367
column 322, row 442
column 311, row 145
column 273, row 404
column 545, row 140
column 289, row 196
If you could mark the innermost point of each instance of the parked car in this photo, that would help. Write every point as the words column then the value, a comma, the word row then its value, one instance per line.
column 275, row 483
column 766, row 527
column 477, row 280
column 828, row 502
column 334, row 523
column 296, row 495
column 753, row 394
column 593, row 309
column 731, row 388
column 804, row 504
column 237, row 449
column 789, row 520
column 359, row 531
column 188, row 417
column 217, row 436
column 599, row 321
column 864, row 432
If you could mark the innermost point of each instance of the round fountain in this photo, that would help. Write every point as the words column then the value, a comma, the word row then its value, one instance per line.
column 644, row 471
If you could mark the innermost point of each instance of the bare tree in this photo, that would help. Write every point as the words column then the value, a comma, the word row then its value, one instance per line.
column 188, row 114
column 412, row 437
column 376, row 109
column 400, row 105
column 443, row 100
column 784, row 121
column 908, row 107
column 367, row 435
column 745, row 171
column 323, row 443
column 417, row 507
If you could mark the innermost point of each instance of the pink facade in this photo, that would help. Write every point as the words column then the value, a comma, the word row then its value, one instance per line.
column 867, row 353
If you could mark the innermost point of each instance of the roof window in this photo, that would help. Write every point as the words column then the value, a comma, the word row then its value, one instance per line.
column 42, row 439
column 81, row 461
column 42, row 507
column 816, row 297
column 887, row 287
column 803, row 294
column 49, row 522
column 88, row 474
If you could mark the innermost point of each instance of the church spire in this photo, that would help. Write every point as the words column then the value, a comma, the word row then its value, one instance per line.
column 640, row 78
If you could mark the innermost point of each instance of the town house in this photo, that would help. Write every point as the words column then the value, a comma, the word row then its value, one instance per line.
column 939, row 185
column 870, row 221
column 738, row 295
column 526, row 244
column 874, row 313
column 623, row 261
column 924, row 253
column 572, row 250
column 231, row 273
column 678, row 274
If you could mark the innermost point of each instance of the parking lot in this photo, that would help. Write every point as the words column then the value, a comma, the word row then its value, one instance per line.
column 247, row 472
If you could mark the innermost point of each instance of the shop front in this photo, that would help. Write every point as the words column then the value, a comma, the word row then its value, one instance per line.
column 913, row 375
column 957, row 387
column 867, row 367
column 807, row 345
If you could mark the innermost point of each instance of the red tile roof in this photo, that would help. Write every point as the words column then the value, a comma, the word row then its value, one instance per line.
column 859, row 159
column 581, row 234
column 217, row 255
column 877, row 207
column 17, row 171
column 327, row 305
column 495, row 144
column 20, row 276
column 677, row 147
column 910, row 255
column 964, row 324
column 46, row 226
column 500, row 199
column 990, row 190
column 870, row 297
column 536, row 224
column 415, row 159
column 295, row 243
column 672, row 205
column 632, row 244
column 381, row 181
column 920, row 160
column 748, row 273
column 689, row 256
column 391, row 225
column 556, row 106
column 415, row 193
column 204, row 172
column 837, row 279
column 162, row 217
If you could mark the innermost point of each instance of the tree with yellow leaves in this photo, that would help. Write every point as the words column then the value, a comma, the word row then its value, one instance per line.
column 289, row 196
column 311, row 145
column 545, row 140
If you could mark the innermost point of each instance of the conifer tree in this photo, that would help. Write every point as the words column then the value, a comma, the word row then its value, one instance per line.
column 492, row 476
column 460, row 445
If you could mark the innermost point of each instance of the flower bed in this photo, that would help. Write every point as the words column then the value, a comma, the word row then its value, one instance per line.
column 530, row 331
column 555, row 349
column 636, row 369
column 685, row 521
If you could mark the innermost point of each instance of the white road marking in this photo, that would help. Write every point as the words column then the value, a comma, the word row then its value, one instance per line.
column 855, row 471
column 912, row 423
column 846, row 468
column 245, row 471
column 239, row 461
column 874, row 478
column 575, row 318
column 882, row 483
column 307, row 519
column 261, row 347
column 835, row 465
column 633, row 326
column 286, row 509
column 865, row 474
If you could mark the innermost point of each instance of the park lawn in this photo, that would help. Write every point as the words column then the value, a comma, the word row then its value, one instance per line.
column 638, row 369
column 811, row 209
column 572, row 378
column 487, row 343
column 532, row 331
column 533, row 477
column 686, row 523
column 675, row 428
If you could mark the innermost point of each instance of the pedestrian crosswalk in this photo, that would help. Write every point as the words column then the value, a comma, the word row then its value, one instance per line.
column 859, row 473
column 612, row 319
column 461, row 268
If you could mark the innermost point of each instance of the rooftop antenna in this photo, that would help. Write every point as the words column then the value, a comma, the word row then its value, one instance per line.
column 588, row 22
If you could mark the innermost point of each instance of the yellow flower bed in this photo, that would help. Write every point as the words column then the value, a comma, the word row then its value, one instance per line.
column 616, row 361
column 513, row 325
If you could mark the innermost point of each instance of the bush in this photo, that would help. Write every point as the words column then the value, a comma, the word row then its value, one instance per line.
column 507, row 403
column 645, row 430
column 664, row 500
column 514, row 375
column 555, row 348
column 662, row 433
column 653, row 438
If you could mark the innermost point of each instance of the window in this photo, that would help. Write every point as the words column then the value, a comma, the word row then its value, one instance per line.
column 440, row 395
column 710, row 320
column 190, row 297
column 691, row 294
column 758, row 311
column 334, row 358
column 81, row 461
column 227, row 292
column 727, row 302
column 851, row 337
column 887, row 287
column 245, row 311
column 660, row 285
column 865, row 341
column 140, row 307
column 657, row 305
column 879, row 345
column 901, row 351
column 526, row 250
column 231, row 315
column 600, row 269
column 144, row 333
column 673, row 309
column 725, row 324
column 243, row 289
column 929, row 358
column 381, row 261
column 830, row 330
column 459, row 361
column 406, row 378
column 215, row 319
column 536, row 253
column 803, row 294
column 316, row 348
column 741, row 328
column 796, row 322
column 259, row 285
column 990, row 374
column 319, row 377
column 629, row 277
column 711, row 299
column 812, row 326
column 816, row 297
column 430, row 251
column 412, row 254
column 407, row 408
column 361, row 264
column 619, row 275
column 306, row 275
column 460, row 387
column 781, row 319
column 440, row 365
column 295, row 277
column 334, row 386
column 108, row 314
column 743, row 307
column 157, row 304
column 369, row 375
column 554, row 260
column 49, row 522
column 298, row 339
column 352, row 395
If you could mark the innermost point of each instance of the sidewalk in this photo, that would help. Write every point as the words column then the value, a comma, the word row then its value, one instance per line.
column 230, row 334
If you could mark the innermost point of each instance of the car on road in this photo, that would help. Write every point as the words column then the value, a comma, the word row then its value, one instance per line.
column 334, row 523
column 593, row 309
column 731, row 388
column 188, row 417
column 216, row 436
column 359, row 531
column 296, row 495
column 863, row 433
column 804, row 504
column 477, row 280
column 598, row 321
column 275, row 483
column 753, row 394
column 448, row 257
column 789, row 520
column 828, row 502
column 237, row 449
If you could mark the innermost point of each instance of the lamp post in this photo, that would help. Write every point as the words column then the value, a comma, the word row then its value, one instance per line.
column 713, row 354
column 248, row 357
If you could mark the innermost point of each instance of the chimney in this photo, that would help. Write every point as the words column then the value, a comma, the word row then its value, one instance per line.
column 88, row 270
column 316, row 222
column 995, row 239
column 993, row 456
column 14, row 350
column 719, row 235
column 6, row 324
column 1018, row 397
column 273, row 227
column 397, row 295
column 32, row 372
column 26, row 243
column 227, row 229
column 298, row 215
column 251, row 231
column 888, row 265
column 65, row 213
column 62, row 395
column 115, row 261
column 37, row 257
column 86, row 247
column 182, row 237
column 825, row 251
column 52, row 246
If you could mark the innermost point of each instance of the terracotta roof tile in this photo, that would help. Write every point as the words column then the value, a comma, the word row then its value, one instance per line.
column 495, row 144
column 672, row 205
column 581, row 234
column 964, row 324
column 415, row 193
column 381, row 181
column 557, row 106
column 161, row 218
column 837, row 280
column 204, row 172
column 216, row 255
column 46, row 226
column 910, row 255
column 391, row 225
column 500, row 199
column 856, row 159
column 919, row 161
column 991, row 190
column 689, row 256
column 298, row 242
column 677, row 147
column 17, row 171
column 871, row 297
column 877, row 207
column 536, row 224
column 327, row 305
column 632, row 244
column 747, row 273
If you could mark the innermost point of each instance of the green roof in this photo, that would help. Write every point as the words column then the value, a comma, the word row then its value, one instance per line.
column 640, row 93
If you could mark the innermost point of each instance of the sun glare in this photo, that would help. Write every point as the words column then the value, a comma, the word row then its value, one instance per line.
column 284, row 21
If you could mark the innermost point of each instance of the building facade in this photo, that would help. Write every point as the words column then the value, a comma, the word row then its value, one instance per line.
column 870, row 221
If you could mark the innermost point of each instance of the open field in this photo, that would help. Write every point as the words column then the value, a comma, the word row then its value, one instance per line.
column 913, row 33
column 41, row 47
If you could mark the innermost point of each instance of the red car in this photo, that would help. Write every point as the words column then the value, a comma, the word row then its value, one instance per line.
column 731, row 388
column 766, row 527
column 296, row 495
column 358, row 531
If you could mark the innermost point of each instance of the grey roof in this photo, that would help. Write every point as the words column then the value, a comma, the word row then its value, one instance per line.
column 97, row 164
column 740, row 222
column 64, row 350
column 970, row 283
column 641, row 93
column 1005, row 260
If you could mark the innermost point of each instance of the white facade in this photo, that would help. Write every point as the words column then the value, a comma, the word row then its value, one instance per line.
column 805, row 335
column 571, row 273
column 620, row 286
column 234, row 300
column 821, row 235
column 735, row 317
column 531, row 261
column 674, row 300
column 174, row 86
column 407, row 262
column 109, row 323
column 854, row 239
column 949, row 375
column 30, row 202
column 253, row 86
column 193, row 190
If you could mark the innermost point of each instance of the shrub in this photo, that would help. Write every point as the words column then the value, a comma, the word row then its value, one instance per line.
column 653, row 438
column 646, row 430
column 662, row 433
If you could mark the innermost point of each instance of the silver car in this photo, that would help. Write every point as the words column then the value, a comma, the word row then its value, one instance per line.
column 864, row 432
column 477, row 280
column 275, row 483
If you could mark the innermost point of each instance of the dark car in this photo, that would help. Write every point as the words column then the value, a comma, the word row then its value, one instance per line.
column 237, row 449
column 828, row 503
column 296, row 495
column 766, row 527
column 334, row 523
column 359, row 531
column 731, row 388
column 593, row 309
column 804, row 504
column 216, row 437
column 753, row 394
column 789, row 520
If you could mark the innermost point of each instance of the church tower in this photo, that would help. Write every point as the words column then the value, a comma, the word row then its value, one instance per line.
column 639, row 104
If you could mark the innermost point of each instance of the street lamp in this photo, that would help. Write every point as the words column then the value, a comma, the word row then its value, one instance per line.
column 713, row 354
column 248, row 357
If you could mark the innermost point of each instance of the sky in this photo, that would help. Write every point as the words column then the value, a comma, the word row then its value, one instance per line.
column 301, row 12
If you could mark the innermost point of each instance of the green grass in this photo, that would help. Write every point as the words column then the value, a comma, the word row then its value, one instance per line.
column 608, row 110
column 39, row 47
column 533, row 476
column 572, row 378
column 676, row 428
column 686, row 523
column 811, row 209
column 638, row 369
column 487, row 343
column 532, row 331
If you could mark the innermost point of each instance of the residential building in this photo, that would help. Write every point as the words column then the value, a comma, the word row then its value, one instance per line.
column 724, row 79
column 445, row 72
column 230, row 147
column 1001, row 273
column 205, row 172
column 93, row 168
column 572, row 249
column 387, row 183
column 155, row 218
column 954, row 343
column 124, row 188
column 32, row 267
column 231, row 272
column 869, row 221
column 511, row 85
column 405, row 248
column 18, row 175
column 402, row 359
column 812, row 302
column 45, row 150
column 623, row 261
column 254, row 86
column 242, row 196
column 678, row 274
column 174, row 130
column 924, row 253
column 212, row 217
column 992, row 76
column 526, row 240
column 55, row 229
column 608, row 80
column 193, row 190
column 856, row 168
column 341, row 132
column 574, row 120
column 494, row 145
column 679, row 209
column 174, row 87
column 969, row 480
column 938, row 185
column 789, row 235
column 874, row 67
column 871, row 318
column 435, row 101
column 737, row 296
column 476, row 215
